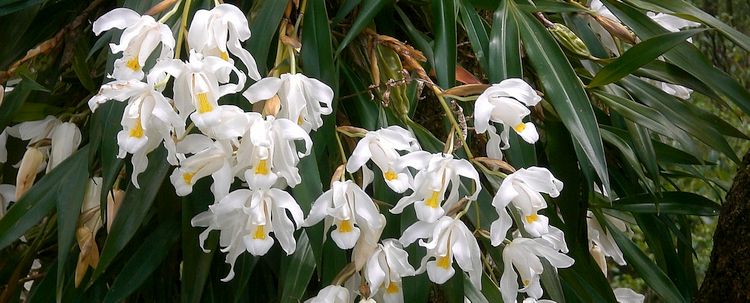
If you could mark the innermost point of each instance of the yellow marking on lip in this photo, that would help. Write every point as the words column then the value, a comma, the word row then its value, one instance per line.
column 345, row 226
column 520, row 127
column 260, row 233
column 262, row 168
column 133, row 64
column 532, row 218
column 432, row 201
column 443, row 262
column 392, row 288
column 188, row 177
column 224, row 56
column 390, row 175
column 137, row 130
column 203, row 105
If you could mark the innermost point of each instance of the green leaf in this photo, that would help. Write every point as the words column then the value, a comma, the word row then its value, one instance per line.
column 146, row 259
column 671, row 202
column 650, row 272
column 686, row 9
column 39, row 201
column 444, row 27
column 133, row 210
column 627, row 152
column 639, row 55
column 670, row 73
column 668, row 154
column 15, row 99
column 298, row 272
column 344, row 10
column 476, row 32
column 69, row 196
column 504, row 45
column 263, row 25
column 366, row 15
column 317, row 57
column 685, row 55
column 196, row 264
column 564, row 90
column 679, row 114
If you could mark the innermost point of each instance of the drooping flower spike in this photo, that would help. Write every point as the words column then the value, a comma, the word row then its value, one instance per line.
column 138, row 41
column 505, row 103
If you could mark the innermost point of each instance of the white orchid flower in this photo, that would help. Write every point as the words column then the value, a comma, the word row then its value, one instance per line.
column 523, row 254
column 302, row 99
column 436, row 173
column 245, row 219
column 148, row 113
column 331, row 294
column 268, row 150
column 65, row 140
column 523, row 188
column 351, row 210
column 533, row 300
column 505, row 103
column 198, row 87
column 670, row 22
column 627, row 295
column 382, row 147
column 209, row 158
column 448, row 239
column 34, row 131
column 602, row 240
column 219, row 32
column 384, row 270
column 138, row 41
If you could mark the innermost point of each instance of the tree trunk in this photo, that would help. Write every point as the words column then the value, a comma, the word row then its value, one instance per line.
column 728, row 275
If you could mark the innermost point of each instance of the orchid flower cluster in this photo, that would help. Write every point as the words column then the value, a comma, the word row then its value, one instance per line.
column 252, row 159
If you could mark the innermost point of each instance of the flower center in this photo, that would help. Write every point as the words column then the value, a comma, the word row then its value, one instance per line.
column 432, row 201
column 390, row 175
column 137, row 130
column 392, row 288
column 188, row 177
column 224, row 56
column 133, row 64
column 262, row 168
column 203, row 105
column 444, row 262
column 525, row 283
column 519, row 127
column 300, row 120
column 345, row 226
column 260, row 233
column 532, row 218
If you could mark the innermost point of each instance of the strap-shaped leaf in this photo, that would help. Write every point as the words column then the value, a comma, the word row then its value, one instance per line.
column 564, row 90
column 672, row 202
column 476, row 31
column 297, row 272
column 639, row 55
column 146, row 259
column 444, row 27
column 262, row 25
column 369, row 9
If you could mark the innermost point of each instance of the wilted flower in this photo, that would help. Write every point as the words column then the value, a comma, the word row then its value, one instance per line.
column 219, row 32
column 523, row 188
column 436, row 172
column 246, row 218
column 31, row 162
column 140, row 38
column 505, row 103
column 351, row 210
column 382, row 147
column 89, row 223
column 602, row 240
column 303, row 99
column 384, row 270
column 523, row 254
column 448, row 238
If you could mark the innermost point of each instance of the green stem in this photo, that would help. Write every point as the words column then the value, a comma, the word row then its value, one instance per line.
column 452, row 119
column 171, row 12
column 183, row 28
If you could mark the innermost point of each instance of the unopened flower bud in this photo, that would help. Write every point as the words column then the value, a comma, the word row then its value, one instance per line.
column 114, row 199
column 30, row 163
column 569, row 40
column 65, row 140
column 616, row 29
column 467, row 90
column 351, row 131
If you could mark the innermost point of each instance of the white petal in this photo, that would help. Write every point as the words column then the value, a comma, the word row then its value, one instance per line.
column 263, row 89
column 116, row 18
